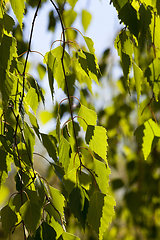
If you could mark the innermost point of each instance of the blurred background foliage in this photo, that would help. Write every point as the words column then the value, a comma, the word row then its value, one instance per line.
column 134, row 182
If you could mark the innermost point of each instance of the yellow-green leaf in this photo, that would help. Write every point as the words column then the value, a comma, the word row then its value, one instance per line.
column 86, row 19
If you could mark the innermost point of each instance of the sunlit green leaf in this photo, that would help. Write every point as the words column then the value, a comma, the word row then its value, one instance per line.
column 88, row 116
column 54, row 63
column 64, row 153
column 45, row 116
column 69, row 16
column 102, row 175
column 69, row 236
column 153, row 75
column 29, row 139
column 72, row 2
column 58, row 200
column 151, row 130
column 138, row 75
column 86, row 18
column 107, row 214
column 29, row 99
column 96, row 137
column 100, row 213
column 18, row 7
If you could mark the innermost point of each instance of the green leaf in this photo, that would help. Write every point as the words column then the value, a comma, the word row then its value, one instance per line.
column 34, row 123
column 89, row 116
column 19, row 200
column 118, row 4
column 95, row 210
column 69, row 16
column 45, row 116
column 124, row 47
column 100, row 213
column 85, row 179
column 96, row 137
column 86, row 19
column 29, row 99
column 70, row 179
column 153, row 76
column 45, row 232
column 40, row 189
column 6, row 85
column 29, row 139
column 54, row 62
column 58, row 124
column 102, row 172
column 50, row 67
column 138, row 75
column 90, row 44
column 151, row 130
column 31, row 214
column 58, row 200
column 90, row 66
column 7, row 22
column 107, row 214
column 41, row 70
column 8, row 218
column 7, row 51
column 49, row 142
column 64, row 153
column 56, row 226
column 18, row 7
column 5, row 165
column 72, row 2
column 69, row 236
column 79, row 203
column 128, row 16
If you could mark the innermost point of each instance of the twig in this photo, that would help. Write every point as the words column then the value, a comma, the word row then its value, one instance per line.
column 29, row 49
column 65, row 77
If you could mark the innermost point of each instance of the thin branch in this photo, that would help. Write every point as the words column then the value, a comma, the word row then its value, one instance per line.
column 65, row 77
column 29, row 49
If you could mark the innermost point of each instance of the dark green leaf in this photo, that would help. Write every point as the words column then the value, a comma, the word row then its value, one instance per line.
column 79, row 203
column 49, row 142
column 8, row 218
column 45, row 232
column 95, row 210
column 128, row 16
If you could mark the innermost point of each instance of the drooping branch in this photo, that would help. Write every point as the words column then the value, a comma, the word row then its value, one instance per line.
column 65, row 77
column 29, row 49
